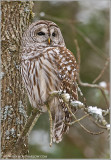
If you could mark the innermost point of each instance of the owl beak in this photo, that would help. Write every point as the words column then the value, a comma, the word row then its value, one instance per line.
column 48, row 40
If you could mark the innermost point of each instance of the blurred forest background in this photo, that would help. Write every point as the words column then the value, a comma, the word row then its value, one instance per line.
column 88, row 22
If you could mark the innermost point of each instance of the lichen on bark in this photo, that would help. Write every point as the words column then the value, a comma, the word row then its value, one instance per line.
column 16, row 17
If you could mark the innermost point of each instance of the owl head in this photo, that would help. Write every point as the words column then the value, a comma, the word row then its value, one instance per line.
column 44, row 34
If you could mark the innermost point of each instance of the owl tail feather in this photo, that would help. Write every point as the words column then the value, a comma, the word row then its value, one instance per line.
column 60, row 118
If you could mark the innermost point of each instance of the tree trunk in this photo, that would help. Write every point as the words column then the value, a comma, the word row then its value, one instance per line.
column 16, row 16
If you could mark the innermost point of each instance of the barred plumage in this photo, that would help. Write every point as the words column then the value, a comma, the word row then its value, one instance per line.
column 47, row 66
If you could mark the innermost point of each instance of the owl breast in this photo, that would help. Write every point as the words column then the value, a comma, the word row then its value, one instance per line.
column 40, row 76
column 47, row 71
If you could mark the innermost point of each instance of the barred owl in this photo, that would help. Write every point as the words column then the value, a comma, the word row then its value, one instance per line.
column 46, row 66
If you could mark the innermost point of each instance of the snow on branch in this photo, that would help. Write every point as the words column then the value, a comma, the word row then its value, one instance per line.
column 97, row 113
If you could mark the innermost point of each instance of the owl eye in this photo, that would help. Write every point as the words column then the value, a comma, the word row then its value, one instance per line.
column 41, row 33
column 53, row 34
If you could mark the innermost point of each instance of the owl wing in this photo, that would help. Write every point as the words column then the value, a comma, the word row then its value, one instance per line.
column 67, row 73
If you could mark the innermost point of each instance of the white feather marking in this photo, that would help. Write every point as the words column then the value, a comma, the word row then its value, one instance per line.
column 63, row 59
column 68, row 68
column 57, row 50
column 50, row 52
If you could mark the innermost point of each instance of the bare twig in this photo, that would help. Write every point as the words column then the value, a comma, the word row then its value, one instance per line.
column 90, row 43
column 29, row 124
column 102, row 71
column 94, row 86
column 87, row 84
column 77, row 120
column 100, row 126
column 93, row 133
column 60, row 20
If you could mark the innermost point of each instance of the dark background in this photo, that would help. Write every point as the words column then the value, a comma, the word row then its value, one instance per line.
column 88, row 22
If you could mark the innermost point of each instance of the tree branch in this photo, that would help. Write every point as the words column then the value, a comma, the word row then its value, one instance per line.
column 87, row 84
column 96, row 113
column 27, row 128
column 102, row 71
column 29, row 124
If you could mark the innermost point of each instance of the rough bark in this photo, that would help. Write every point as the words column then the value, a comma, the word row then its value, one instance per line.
column 16, row 16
